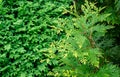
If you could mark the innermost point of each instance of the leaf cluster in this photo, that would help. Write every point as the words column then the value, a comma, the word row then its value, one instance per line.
column 26, row 29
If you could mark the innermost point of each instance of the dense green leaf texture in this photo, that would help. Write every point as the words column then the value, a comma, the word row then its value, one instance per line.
column 26, row 29
column 48, row 38
column 80, row 57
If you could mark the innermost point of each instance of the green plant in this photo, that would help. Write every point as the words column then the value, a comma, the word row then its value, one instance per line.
column 110, row 42
column 78, row 53
column 26, row 29
column 40, row 38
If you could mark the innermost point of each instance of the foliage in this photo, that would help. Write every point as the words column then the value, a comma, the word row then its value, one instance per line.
column 26, row 29
column 40, row 38
column 110, row 42
column 78, row 53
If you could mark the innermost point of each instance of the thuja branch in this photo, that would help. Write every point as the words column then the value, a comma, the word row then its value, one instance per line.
column 91, row 40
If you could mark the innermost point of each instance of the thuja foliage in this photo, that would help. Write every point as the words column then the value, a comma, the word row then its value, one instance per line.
column 40, row 38
column 78, row 53
column 26, row 29
column 110, row 42
column 112, row 45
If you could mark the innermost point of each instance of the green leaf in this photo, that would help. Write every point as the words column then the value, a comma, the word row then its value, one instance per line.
column 23, row 74
column 18, row 22
column 7, row 47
